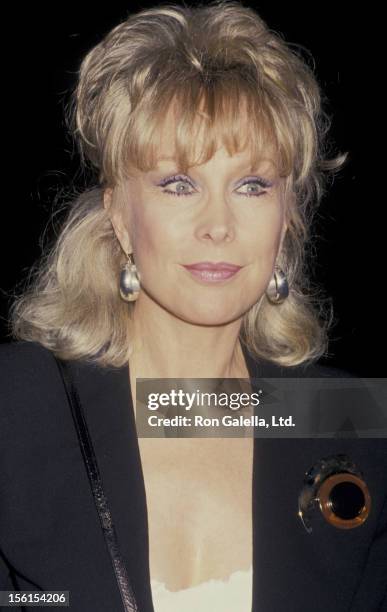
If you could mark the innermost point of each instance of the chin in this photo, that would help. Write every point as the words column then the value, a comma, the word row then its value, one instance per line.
column 210, row 317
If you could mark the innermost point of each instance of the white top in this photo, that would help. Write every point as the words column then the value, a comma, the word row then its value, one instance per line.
column 231, row 595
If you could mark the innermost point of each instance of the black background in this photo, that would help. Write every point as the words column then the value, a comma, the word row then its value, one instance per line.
column 43, row 51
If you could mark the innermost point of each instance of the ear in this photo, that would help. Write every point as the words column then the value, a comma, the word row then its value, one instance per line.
column 283, row 234
column 116, row 220
column 107, row 197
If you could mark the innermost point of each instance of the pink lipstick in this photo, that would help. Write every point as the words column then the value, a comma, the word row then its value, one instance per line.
column 212, row 272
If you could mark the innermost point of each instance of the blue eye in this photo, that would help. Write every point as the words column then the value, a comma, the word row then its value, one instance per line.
column 262, row 185
column 183, row 182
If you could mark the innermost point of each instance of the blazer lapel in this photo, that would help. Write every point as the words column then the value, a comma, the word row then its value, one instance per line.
column 107, row 403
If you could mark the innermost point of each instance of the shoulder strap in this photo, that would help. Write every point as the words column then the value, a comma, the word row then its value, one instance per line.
column 100, row 499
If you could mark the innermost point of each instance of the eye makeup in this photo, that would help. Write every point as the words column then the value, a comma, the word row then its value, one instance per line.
column 249, row 180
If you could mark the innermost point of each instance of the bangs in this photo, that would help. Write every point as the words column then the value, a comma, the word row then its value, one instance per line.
column 197, row 118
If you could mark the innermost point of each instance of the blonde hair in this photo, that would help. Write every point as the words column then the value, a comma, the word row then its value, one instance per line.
column 207, row 59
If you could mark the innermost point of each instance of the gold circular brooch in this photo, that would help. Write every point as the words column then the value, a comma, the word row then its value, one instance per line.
column 336, row 487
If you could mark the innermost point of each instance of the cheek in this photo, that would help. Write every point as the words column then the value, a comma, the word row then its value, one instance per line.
column 153, row 238
column 263, row 235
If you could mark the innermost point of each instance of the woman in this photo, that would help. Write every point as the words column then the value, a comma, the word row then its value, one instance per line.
column 185, row 261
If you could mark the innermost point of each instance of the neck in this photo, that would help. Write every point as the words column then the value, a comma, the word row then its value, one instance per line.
column 164, row 346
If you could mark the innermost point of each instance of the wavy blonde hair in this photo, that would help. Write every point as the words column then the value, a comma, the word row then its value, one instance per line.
column 207, row 59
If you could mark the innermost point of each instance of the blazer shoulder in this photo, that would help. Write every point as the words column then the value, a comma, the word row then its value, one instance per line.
column 318, row 369
column 33, row 406
column 28, row 373
column 25, row 359
column 303, row 370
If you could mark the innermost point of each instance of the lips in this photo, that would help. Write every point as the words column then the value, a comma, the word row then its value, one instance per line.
column 209, row 272
column 208, row 266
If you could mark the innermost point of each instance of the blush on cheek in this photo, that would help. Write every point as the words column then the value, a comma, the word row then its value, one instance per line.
column 267, row 248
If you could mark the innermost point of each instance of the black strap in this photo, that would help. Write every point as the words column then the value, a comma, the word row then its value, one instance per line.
column 100, row 499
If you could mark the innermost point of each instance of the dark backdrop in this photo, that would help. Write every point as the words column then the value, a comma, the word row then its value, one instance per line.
column 42, row 54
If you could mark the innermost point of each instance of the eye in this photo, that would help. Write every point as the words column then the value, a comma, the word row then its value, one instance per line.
column 255, row 186
column 182, row 183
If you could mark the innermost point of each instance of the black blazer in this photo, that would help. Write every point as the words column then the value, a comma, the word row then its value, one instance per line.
column 50, row 534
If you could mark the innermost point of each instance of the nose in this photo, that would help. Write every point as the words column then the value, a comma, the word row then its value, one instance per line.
column 216, row 221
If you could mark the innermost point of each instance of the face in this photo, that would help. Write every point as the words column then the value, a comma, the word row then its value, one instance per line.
column 219, row 211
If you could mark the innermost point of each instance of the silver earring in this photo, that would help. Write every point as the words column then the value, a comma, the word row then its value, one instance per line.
column 278, row 288
column 129, row 280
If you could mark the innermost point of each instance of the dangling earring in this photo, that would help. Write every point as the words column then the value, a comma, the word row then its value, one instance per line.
column 129, row 280
column 278, row 288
